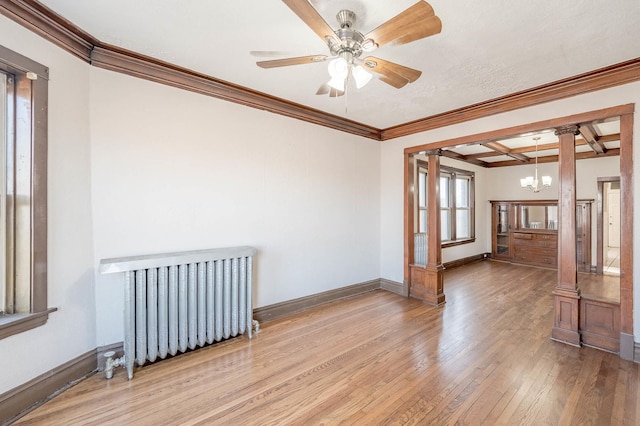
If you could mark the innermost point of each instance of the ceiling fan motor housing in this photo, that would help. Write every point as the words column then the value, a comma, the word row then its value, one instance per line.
column 351, row 41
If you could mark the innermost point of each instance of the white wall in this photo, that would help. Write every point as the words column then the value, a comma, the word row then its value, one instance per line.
column 70, row 331
column 173, row 170
column 391, row 214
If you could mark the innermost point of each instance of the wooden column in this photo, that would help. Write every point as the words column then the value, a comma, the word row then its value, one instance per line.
column 427, row 283
column 627, row 346
column 409, row 219
column 567, row 294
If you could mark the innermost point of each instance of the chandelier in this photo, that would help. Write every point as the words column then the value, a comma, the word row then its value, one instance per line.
column 531, row 182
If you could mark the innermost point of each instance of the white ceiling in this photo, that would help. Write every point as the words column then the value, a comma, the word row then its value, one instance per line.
column 486, row 49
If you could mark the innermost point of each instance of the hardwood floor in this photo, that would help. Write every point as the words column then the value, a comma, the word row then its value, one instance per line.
column 483, row 358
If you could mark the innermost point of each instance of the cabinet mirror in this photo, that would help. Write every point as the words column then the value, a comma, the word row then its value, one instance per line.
column 538, row 217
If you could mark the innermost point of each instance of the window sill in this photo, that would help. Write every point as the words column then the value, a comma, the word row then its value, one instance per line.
column 18, row 323
column 458, row 242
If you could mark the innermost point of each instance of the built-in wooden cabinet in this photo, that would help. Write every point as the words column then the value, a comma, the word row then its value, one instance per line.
column 501, row 230
column 527, row 232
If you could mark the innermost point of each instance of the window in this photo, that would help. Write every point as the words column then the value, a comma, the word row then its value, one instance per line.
column 456, row 204
column 23, row 193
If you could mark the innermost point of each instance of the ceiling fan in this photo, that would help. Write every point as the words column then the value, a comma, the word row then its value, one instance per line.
column 347, row 46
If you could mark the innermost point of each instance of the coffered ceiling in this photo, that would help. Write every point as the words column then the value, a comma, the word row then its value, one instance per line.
column 596, row 140
column 485, row 50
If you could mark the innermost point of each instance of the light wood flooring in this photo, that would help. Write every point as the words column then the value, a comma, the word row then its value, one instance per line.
column 378, row 358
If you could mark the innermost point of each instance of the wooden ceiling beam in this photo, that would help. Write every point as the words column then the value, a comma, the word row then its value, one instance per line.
column 503, row 150
column 591, row 137
column 465, row 158
column 554, row 158
column 553, row 145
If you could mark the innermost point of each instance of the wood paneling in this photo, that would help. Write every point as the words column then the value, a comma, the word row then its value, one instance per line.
column 600, row 324
column 378, row 358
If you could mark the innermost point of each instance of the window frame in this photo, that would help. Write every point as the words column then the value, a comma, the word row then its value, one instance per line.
column 30, row 124
column 453, row 174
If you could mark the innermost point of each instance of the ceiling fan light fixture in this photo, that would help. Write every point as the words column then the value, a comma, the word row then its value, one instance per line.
column 337, row 83
column 339, row 68
column 361, row 76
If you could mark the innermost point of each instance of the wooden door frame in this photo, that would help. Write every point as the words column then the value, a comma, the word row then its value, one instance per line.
column 600, row 221
column 625, row 112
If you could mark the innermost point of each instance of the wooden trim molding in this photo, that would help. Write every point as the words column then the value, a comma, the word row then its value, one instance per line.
column 466, row 260
column 508, row 132
column 56, row 29
column 271, row 312
column 394, row 287
column 18, row 401
column 46, row 23
column 602, row 78
column 127, row 62
column 18, row 323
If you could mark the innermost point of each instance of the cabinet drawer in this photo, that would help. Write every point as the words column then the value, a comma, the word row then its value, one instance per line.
column 521, row 236
column 538, row 251
column 535, row 259
column 549, row 245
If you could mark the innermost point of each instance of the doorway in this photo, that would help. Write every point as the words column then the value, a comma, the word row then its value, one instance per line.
column 608, row 239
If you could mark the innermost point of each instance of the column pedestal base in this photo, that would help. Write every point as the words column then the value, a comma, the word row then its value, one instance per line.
column 566, row 326
column 427, row 284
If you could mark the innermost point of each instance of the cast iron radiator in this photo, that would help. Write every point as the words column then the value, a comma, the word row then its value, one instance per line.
column 179, row 301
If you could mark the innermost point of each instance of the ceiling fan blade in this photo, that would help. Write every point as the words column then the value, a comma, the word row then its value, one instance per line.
column 334, row 93
column 301, row 60
column 418, row 21
column 324, row 89
column 267, row 53
column 393, row 79
column 395, row 74
column 312, row 18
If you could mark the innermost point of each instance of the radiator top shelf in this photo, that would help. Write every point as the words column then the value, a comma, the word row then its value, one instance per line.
column 133, row 263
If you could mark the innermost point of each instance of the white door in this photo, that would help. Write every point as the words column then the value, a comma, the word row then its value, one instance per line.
column 613, row 203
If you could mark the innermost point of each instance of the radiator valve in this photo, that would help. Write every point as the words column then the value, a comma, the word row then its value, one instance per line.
column 256, row 327
column 112, row 363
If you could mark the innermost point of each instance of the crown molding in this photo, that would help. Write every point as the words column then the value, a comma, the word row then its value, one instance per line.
column 38, row 18
column 43, row 21
column 602, row 78
column 124, row 61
